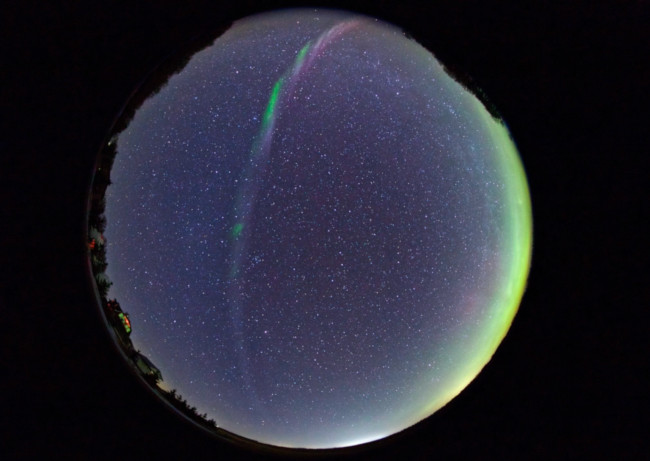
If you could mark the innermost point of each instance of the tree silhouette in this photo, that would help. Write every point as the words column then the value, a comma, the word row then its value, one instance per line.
column 181, row 404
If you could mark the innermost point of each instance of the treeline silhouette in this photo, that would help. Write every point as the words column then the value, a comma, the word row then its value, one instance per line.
column 97, row 219
column 173, row 64
column 96, row 245
column 181, row 405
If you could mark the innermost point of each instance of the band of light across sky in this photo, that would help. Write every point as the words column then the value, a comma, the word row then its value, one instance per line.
column 262, row 146
column 252, row 180
column 515, row 238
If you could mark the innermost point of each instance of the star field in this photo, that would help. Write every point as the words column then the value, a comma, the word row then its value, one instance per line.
column 320, row 237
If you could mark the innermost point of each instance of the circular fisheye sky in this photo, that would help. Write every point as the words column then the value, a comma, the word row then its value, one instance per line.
column 319, row 235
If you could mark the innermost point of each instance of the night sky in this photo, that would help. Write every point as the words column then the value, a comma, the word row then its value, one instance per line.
column 320, row 236
column 567, row 381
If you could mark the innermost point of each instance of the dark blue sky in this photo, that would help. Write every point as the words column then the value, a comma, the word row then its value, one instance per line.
column 328, row 263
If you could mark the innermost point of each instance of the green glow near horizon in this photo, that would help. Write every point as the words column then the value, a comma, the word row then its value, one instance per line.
column 508, row 287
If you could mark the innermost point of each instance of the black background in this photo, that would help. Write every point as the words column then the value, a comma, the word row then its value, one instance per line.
column 570, row 79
